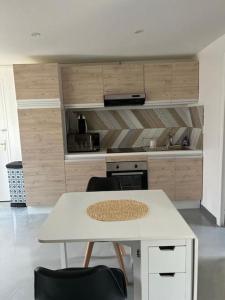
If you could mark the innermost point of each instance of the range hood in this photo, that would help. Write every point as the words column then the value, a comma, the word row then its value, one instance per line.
column 124, row 99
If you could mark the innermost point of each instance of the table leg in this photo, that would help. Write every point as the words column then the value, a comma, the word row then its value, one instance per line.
column 63, row 255
column 136, row 255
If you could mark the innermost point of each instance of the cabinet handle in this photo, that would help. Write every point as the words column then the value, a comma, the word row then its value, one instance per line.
column 167, row 248
column 167, row 274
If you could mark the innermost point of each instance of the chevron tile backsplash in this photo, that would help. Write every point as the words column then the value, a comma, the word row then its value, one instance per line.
column 134, row 127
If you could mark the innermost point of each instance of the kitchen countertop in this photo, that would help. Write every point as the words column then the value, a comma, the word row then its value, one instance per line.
column 103, row 154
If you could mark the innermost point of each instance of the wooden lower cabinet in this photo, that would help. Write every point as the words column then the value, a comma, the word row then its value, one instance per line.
column 161, row 175
column 78, row 173
column 180, row 178
column 188, row 179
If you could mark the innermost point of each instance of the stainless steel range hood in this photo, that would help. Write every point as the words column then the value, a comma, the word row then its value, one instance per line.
column 124, row 99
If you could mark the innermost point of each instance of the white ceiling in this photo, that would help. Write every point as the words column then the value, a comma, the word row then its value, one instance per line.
column 80, row 29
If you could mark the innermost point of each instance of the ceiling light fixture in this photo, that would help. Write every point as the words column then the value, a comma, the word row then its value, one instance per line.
column 139, row 31
column 35, row 34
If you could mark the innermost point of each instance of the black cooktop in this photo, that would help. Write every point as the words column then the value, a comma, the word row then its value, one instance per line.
column 125, row 150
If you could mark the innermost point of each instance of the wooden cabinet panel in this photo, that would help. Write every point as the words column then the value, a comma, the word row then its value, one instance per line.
column 82, row 84
column 185, row 81
column 161, row 175
column 43, row 154
column 123, row 78
column 188, row 178
column 36, row 81
column 158, row 81
column 78, row 173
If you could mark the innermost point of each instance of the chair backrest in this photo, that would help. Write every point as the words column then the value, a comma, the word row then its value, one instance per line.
column 97, row 283
column 97, row 184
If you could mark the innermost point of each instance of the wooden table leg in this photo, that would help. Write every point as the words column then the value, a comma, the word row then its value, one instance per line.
column 88, row 254
column 120, row 258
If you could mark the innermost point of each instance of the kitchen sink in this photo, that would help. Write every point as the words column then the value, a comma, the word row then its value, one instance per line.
column 165, row 148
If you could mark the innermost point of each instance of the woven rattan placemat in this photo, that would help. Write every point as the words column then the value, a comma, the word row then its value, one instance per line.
column 117, row 210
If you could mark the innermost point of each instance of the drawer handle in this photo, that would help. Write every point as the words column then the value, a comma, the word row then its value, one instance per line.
column 167, row 248
column 167, row 274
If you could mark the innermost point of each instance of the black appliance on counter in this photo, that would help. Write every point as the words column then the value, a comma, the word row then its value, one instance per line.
column 133, row 175
column 87, row 142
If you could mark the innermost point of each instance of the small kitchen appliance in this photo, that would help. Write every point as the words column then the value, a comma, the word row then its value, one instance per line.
column 87, row 142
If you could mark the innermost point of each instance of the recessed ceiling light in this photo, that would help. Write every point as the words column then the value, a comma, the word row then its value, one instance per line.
column 139, row 31
column 35, row 34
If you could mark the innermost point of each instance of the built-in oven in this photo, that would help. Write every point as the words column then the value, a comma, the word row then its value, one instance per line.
column 133, row 175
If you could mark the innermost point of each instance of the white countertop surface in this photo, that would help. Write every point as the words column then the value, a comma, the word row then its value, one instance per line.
column 69, row 222
column 104, row 154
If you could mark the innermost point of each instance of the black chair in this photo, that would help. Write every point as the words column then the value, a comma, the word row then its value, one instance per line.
column 97, row 184
column 98, row 283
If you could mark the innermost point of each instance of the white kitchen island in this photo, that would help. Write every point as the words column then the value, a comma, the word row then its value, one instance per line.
column 164, row 248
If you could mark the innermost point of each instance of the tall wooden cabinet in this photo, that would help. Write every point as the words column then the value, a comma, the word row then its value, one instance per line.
column 41, row 132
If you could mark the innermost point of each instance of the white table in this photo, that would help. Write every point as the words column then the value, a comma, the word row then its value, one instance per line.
column 164, row 248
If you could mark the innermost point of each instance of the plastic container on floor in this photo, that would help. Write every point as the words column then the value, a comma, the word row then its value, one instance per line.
column 16, row 184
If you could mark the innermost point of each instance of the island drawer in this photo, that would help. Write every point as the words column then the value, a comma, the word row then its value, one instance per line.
column 164, row 259
column 167, row 286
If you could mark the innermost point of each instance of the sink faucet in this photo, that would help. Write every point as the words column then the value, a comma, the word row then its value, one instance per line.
column 169, row 141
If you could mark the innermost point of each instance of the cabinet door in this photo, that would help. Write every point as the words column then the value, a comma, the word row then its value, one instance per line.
column 82, row 84
column 158, row 81
column 189, row 179
column 185, row 81
column 123, row 78
column 78, row 173
column 36, row 81
column 161, row 175
column 43, row 155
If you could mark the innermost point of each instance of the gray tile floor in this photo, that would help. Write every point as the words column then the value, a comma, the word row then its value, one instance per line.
column 20, row 253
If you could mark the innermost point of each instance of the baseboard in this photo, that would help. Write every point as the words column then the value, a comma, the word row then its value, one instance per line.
column 187, row 204
column 208, row 215
column 33, row 210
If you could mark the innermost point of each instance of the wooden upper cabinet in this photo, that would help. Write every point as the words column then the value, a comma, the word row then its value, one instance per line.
column 188, row 179
column 158, row 81
column 82, row 84
column 123, row 78
column 172, row 81
column 36, row 81
column 185, row 80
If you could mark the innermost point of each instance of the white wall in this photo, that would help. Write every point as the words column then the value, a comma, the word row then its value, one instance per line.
column 6, row 73
column 212, row 66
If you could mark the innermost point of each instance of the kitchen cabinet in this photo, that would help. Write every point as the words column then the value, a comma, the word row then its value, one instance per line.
column 180, row 178
column 78, row 173
column 185, row 80
column 188, row 179
column 43, row 154
column 161, row 175
column 82, row 84
column 36, row 81
column 158, row 81
column 172, row 81
column 123, row 78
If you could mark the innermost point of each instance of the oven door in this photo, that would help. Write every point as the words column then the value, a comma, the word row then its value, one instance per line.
column 131, row 180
